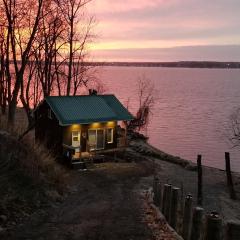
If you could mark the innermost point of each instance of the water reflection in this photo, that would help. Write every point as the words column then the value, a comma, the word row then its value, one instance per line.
column 194, row 106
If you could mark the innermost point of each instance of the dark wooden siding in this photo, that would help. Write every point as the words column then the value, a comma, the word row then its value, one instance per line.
column 47, row 131
column 52, row 135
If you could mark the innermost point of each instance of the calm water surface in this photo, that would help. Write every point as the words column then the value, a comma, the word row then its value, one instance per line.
column 192, row 110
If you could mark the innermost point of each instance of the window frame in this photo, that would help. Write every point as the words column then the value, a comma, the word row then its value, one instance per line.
column 112, row 129
column 78, row 135
column 96, row 130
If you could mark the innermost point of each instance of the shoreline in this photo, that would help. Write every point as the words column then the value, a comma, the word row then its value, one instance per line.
column 146, row 149
column 150, row 150
column 170, row 64
column 183, row 174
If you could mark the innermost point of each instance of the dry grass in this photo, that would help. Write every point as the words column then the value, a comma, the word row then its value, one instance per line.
column 20, row 124
column 37, row 162
column 45, row 166
column 30, row 177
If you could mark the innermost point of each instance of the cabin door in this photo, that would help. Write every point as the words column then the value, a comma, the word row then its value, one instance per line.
column 96, row 139
column 76, row 140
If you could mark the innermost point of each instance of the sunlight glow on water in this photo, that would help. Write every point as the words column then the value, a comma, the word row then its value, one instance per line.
column 193, row 107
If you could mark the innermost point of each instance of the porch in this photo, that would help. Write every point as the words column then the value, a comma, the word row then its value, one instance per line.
column 78, row 158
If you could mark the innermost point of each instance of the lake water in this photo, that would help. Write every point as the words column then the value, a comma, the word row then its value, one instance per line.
column 192, row 110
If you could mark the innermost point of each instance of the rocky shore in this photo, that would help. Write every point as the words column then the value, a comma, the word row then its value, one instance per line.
column 183, row 173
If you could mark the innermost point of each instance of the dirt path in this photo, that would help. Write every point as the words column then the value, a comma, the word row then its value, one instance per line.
column 102, row 205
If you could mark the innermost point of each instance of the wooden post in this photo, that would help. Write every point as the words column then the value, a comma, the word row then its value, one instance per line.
column 213, row 227
column 155, row 183
column 166, row 200
column 164, row 197
column 229, row 176
column 197, row 223
column 173, row 216
column 199, row 167
column 158, row 195
column 233, row 230
column 187, row 217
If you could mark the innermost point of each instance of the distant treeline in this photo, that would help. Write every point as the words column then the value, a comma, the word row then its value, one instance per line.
column 182, row 64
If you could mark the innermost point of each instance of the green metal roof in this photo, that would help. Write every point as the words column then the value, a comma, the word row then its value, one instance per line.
column 87, row 109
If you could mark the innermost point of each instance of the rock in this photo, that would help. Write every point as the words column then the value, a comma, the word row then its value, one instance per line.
column 3, row 218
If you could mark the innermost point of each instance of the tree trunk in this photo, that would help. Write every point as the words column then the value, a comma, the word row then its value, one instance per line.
column 13, row 102
column 11, row 114
column 70, row 59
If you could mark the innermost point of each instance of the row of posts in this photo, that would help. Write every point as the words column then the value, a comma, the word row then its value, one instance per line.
column 191, row 225
column 230, row 184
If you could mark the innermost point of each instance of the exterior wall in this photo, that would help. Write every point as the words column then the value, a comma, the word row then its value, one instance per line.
column 52, row 135
column 67, row 133
column 47, row 131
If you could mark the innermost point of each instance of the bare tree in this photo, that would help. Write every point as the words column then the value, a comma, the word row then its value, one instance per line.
column 3, row 82
column 48, row 44
column 233, row 128
column 77, row 39
column 19, row 14
column 27, row 91
column 147, row 96
column 43, row 50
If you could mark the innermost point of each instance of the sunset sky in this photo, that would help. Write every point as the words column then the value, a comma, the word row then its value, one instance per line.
column 166, row 30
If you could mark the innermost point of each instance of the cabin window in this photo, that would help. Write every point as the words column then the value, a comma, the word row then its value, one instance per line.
column 49, row 113
column 96, row 139
column 110, row 135
column 75, row 138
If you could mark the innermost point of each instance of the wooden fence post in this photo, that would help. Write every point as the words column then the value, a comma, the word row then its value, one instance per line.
column 199, row 167
column 187, row 217
column 233, row 230
column 213, row 227
column 229, row 176
column 155, row 185
column 173, row 216
column 197, row 223
column 166, row 200
column 158, row 195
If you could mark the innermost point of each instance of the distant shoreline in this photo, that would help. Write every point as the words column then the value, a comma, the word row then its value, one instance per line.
column 180, row 64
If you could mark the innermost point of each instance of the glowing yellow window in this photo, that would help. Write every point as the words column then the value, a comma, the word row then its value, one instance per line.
column 110, row 135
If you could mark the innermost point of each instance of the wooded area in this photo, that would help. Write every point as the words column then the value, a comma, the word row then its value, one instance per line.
column 43, row 45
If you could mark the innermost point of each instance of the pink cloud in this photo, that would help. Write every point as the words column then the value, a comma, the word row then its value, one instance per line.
column 101, row 6
column 153, row 23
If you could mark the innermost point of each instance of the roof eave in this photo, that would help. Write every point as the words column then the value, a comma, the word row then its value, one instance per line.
column 91, row 122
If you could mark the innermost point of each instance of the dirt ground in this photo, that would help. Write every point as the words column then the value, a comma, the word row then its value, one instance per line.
column 103, row 204
column 110, row 200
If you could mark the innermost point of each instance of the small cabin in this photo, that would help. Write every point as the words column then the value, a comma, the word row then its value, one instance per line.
column 77, row 126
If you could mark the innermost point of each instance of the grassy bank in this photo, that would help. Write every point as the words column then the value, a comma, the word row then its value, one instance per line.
column 30, row 179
